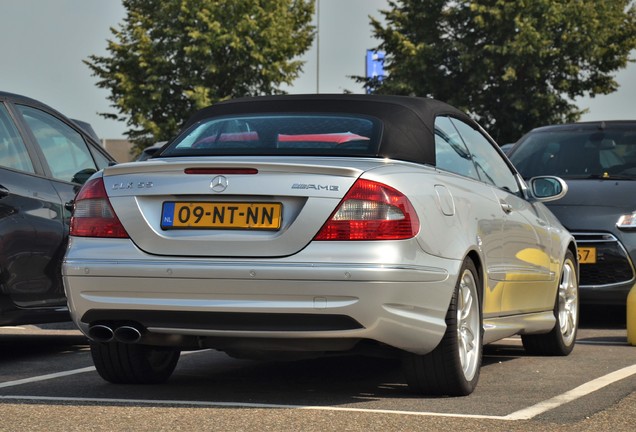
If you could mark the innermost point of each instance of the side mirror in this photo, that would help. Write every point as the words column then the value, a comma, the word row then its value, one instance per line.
column 547, row 188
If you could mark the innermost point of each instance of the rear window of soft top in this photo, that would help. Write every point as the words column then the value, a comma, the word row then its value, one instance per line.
column 280, row 134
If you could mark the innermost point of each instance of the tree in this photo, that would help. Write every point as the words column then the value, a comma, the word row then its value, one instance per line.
column 511, row 64
column 170, row 58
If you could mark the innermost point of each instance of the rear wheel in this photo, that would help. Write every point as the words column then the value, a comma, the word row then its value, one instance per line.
column 560, row 341
column 122, row 363
column 452, row 368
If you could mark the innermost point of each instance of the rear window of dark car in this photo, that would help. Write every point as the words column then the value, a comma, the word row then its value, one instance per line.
column 578, row 153
column 280, row 134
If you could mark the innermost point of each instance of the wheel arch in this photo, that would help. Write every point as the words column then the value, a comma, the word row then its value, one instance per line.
column 572, row 248
column 474, row 256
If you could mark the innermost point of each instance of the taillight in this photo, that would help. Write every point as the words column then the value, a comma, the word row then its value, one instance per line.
column 371, row 211
column 93, row 215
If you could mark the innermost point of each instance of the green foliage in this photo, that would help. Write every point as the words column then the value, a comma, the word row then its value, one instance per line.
column 512, row 64
column 170, row 58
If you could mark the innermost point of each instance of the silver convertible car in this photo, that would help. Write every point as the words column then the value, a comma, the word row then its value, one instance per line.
column 286, row 226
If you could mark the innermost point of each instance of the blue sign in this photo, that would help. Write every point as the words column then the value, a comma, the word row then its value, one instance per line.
column 375, row 64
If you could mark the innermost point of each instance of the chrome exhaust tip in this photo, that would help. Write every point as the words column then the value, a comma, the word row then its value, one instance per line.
column 127, row 334
column 100, row 333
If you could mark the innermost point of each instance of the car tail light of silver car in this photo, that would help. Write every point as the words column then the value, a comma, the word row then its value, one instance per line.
column 371, row 211
column 93, row 215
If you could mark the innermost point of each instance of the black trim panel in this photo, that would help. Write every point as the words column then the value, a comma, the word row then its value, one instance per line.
column 228, row 321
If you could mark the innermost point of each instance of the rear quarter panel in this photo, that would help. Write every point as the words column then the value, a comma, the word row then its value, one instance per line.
column 457, row 217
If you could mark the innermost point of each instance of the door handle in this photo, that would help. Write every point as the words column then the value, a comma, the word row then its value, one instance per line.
column 4, row 192
column 507, row 208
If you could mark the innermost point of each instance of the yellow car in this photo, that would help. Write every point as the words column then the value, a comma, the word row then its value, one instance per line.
column 631, row 317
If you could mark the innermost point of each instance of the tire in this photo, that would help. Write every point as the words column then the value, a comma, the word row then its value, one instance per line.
column 122, row 363
column 562, row 338
column 453, row 367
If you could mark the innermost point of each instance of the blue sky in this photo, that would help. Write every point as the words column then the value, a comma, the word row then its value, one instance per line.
column 43, row 43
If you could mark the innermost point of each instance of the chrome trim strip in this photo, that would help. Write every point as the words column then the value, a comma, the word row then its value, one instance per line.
column 608, row 237
column 253, row 270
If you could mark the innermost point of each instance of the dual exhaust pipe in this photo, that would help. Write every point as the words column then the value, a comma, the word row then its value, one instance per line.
column 124, row 333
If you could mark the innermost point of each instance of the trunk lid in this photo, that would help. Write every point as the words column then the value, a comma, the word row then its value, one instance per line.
column 261, row 207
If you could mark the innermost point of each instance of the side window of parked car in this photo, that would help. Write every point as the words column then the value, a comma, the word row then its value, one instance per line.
column 491, row 167
column 64, row 149
column 451, row 153
column 13, row 152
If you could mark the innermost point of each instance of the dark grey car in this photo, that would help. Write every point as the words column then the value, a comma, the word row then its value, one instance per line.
column 598, row 162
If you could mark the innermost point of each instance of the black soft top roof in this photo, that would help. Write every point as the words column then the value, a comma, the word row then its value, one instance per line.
column 408, row 122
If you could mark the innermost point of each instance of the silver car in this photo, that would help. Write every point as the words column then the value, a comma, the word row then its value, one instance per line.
column 309, row 225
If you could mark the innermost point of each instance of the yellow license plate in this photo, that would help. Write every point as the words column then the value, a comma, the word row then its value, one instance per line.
column 587, row 255
column 221, row 215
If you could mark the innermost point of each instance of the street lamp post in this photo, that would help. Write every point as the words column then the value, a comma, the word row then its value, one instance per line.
column 317, row 46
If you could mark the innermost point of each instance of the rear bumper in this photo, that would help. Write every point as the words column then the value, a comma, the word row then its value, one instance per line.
column 403, row 306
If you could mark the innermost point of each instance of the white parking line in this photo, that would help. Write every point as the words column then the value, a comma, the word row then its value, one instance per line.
column 524, row 414
column 580, row 391
column 602, row 342
column 45, row 377
column 242, row 405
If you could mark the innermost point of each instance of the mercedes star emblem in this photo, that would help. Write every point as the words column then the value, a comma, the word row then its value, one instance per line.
column 219, row 183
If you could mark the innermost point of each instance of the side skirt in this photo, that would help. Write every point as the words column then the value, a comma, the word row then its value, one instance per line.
column 502, row 327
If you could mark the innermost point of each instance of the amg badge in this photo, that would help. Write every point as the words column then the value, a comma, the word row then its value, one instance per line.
column 332, row 188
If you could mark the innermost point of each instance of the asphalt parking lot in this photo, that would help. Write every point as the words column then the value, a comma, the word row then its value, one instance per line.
column 47, row 382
